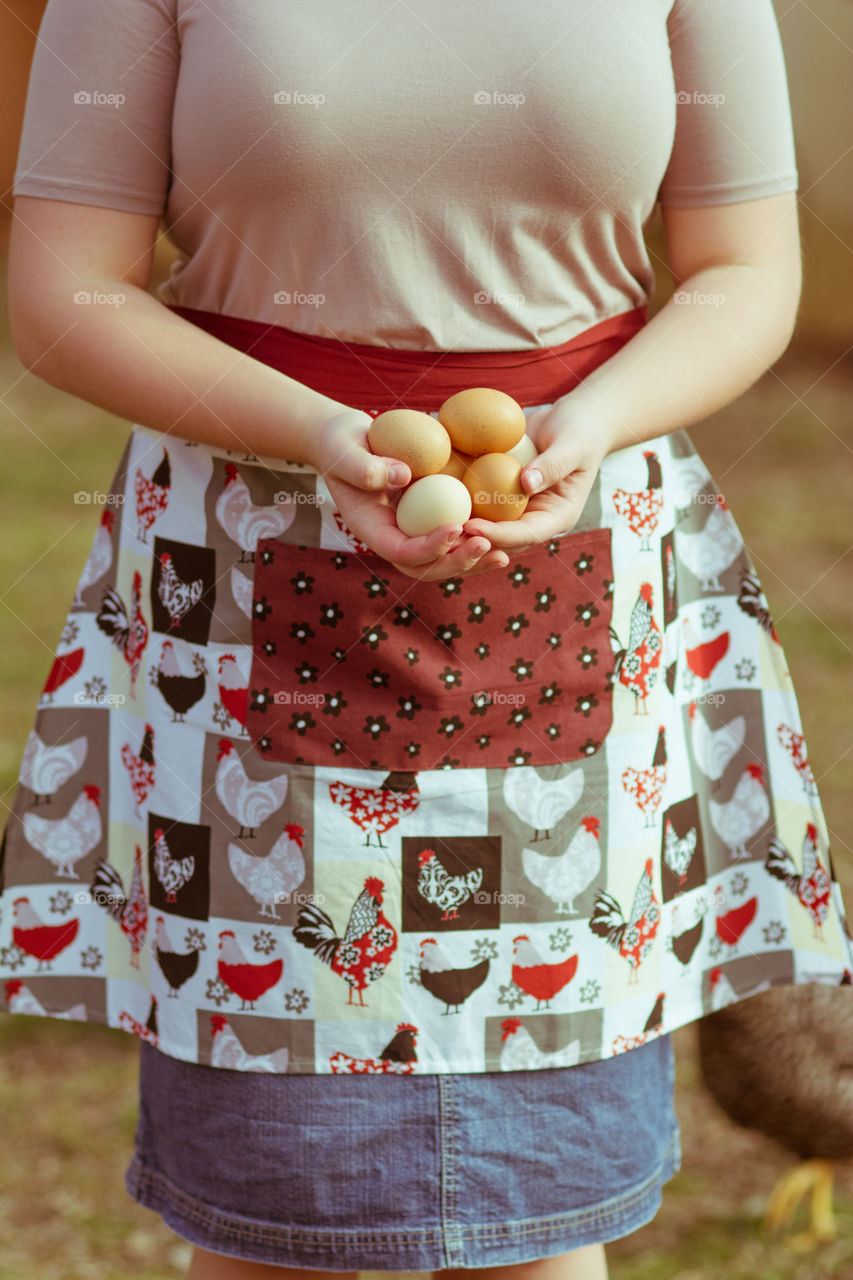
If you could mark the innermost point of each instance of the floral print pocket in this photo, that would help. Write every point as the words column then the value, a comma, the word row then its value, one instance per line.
column 355, row 662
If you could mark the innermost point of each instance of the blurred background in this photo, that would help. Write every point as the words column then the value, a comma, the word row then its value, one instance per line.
column 782, row 456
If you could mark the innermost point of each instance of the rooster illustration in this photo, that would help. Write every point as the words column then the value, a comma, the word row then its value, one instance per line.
column 44, row 942
column 563, row 877
column 147, row 1030
column 272, row 878
column 245, row 523
column 249, row 802
column 45, row 769
column 248, row 981
column 520, row 1052
column 683, row 942
column 540, row 803
column 534, row 977
column 363, row 954
column 63, row 667
column 741, row 818
column 100, row 557
column 637, row 666
column 795, row 745
column 732, row 925
column 703, row 656
column 65, row 841
column 376, row 810
column 652, row 1028
column 140, row 768
column 180, row 692
column 233, row 689
column 633, row 937
column 227, row 1051
column 176, row 967
column 129, row 912
column 451, row 986
column 645, row 786
column 173, row 873
column 641, row 509
column 176, row 597
column 811, row 886
column 152, row 496
column 678, row 850
column 712, row 749
column 712, row 549
column 398, row 1058
column 753, row 602
column 442, row 889
column 128, row 631
column 20, row 999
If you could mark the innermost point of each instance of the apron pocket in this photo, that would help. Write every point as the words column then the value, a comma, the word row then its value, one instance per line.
column 354, row 662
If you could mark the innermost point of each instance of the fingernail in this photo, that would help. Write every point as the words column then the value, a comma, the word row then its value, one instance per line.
column 397, row 475
column 535, row 479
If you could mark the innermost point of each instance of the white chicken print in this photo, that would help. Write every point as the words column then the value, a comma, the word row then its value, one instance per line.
column 538, row 802
column 245, row 523
column 520, row 1052
column 712, row 749
column 276, row 876
column 249, row 802
column 678, row 850
column 442, row 889
column 173, row 873
column 712, row 549
column 177, row 597
column 563, row 877
column 227, row 1051
column 100, row 557
column 19, row 999
column 45, row 769
column 65, row 841
column 741, row 818
column 723, row 993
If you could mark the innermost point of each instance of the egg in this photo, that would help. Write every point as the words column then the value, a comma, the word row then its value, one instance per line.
column 432, row 501
column 525, row 451
column 482, row 420
column 493, row 483
column 415, row 438
column 457, row 464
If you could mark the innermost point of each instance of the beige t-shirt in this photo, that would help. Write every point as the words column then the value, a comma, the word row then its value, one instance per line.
column 442, row 176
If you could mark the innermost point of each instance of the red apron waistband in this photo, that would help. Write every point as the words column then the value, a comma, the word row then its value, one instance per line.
column 379, row 378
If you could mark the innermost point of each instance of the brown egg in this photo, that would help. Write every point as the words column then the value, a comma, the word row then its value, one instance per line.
column 481, row 420
column 492, row 481
column 415, row 438
column 457, row 464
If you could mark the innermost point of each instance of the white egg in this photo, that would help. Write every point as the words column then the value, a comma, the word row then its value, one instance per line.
column 525, row 451
column 430, row 502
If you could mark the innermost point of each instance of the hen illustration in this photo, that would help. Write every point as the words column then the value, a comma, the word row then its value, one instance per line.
column 633, row 937
column 536, row 978
column 180, row 692
column 147, row 1030
column 741, row 818
column 152, row 496
column 703, row 656
column 722, row 993
column 678, row 850
column 520, row 1052
column 233, row 689
column 176, row 967
column 176, row 597
column 173, row 873
column 442, row 889
column 227, row 1051
column 795, row 745
column 44, row 942
column 363, row 954
column 64, row 666
column 45, row 769
column 811, row 886
column 65, row 841
column 130, row 912
column 563, row 877
column 637, row 665
column 645, row 786
column 712, row 749
column 100, row 557
column 652, row 1028
column 712, row 549
column 20, row 999
column 731, row 925
column 398, row 1058
column 276, row 876
column 683, row 942
column 375, row 810
column 127, row 630
column 241, row 590
column 245, row 523
column 450, row 986
column 641, row 509
column 248, row 802
column 753, row 602
column 140, row 768
column 247, row 980
column 540, row 803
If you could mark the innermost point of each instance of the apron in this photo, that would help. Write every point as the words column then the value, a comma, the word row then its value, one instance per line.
column 285, row 808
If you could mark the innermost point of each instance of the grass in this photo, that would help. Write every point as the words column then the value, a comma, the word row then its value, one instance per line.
column 68, row 1092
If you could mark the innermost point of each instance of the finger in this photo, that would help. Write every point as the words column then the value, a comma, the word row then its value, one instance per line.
column 555, row 463
column 515, row 535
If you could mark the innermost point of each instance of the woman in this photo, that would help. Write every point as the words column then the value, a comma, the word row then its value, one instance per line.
column 335, row 819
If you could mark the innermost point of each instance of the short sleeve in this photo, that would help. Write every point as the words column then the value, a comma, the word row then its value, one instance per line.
column 734, row 137
column 98, row 119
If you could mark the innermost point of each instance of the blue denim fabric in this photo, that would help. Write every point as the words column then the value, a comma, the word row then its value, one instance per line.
column 405, row 1173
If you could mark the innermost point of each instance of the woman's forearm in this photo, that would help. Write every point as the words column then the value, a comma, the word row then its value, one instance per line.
column 721, row 330
column 141, row 361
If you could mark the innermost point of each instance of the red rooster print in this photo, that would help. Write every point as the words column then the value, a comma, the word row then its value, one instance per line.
column 646, row 785
column 140, row 768
column 398, row 1058
column 128, row 631
column 233, row 689
column 375, row 810
column 537, row 979
column 363, row 954
column 65, row 665
column 633, row 937
column 703, row 656
column 642, row 508
column 732, row 925
column 637, row 665
column 44, row 942
column 152, row 496
column 131, row 912
column 246, row 980
column 795, row 745
column 811, row 886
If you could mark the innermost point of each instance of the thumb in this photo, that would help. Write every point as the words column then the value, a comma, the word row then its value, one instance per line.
column 547, row 468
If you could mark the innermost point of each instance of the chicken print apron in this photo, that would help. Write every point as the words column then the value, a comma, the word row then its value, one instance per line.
column 284, row 808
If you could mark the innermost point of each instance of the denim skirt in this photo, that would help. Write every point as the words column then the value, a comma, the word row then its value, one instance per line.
column 405, row 1172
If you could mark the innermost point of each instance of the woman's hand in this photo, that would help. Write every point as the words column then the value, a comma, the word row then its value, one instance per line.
column 365, row 488
column 560, row 478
